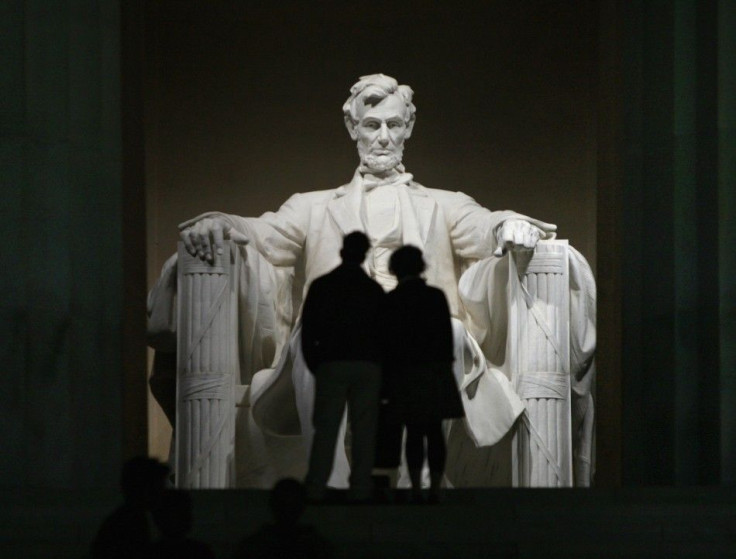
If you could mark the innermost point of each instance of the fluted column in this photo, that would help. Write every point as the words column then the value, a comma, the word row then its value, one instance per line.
column 539, row 342
column 206, row 367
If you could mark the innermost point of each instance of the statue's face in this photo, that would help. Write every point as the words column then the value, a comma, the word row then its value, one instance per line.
column 380, row 134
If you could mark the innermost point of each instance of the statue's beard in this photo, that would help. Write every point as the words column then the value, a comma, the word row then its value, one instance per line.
column 380, row 163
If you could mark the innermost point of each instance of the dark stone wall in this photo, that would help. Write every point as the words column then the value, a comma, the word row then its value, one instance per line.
column 727, row 233
column 62, row 282
column 671, row 269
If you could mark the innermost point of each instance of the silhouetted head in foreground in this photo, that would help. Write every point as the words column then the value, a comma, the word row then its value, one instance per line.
column 287, row 501
column 406, row 262
column 142, row 481
column 354, row 247
column 173, row 517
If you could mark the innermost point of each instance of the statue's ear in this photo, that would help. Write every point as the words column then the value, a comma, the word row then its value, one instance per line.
column 350, row 125
column 410, row 126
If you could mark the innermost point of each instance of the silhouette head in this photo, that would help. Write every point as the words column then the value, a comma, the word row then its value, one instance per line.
column 354, row 247
column 142, row 480
column 406, row 261
column 287, row 501
column 174, row 515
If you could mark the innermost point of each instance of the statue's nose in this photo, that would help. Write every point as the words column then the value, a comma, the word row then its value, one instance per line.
column 383, row 136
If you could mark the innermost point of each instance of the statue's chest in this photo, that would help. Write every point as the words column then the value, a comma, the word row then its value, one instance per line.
column 382, row 215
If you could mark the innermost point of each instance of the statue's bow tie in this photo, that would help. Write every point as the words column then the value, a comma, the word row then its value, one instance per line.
column 370, row 182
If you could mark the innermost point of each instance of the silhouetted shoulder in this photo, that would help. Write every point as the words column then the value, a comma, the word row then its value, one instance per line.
column 437, row 292
column 319, row 283
column 180, row 549
column 269, row 542
column 375, row 286
column 125, row 533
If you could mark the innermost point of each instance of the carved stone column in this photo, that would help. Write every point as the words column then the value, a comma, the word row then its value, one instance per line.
column 539, row 355
column 206, row 371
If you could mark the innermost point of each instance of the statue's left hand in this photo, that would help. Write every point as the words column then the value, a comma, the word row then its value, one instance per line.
column 519, row 234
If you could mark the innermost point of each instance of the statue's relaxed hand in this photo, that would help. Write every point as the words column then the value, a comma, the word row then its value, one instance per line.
column 205, row 237
column 519, row 234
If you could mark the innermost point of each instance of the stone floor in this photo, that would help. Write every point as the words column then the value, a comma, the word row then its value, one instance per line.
column 640, row 523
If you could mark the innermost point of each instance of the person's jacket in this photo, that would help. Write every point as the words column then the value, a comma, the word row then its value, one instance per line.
column 416, row 325
column 418, row 354
column 339, row 319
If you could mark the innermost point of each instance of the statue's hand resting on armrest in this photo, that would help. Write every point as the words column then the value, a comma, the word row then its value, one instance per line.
column 204, row 236
column 519, row 234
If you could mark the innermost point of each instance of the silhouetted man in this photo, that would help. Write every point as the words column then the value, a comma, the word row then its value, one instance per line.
column 286, row 536
column 341, row 348
column 126, row 533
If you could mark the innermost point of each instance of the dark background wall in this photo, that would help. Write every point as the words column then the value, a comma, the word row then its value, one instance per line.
column 62, row 283
column 676, row 267
column 727, row 234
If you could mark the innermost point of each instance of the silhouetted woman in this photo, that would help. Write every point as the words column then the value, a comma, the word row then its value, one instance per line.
column 418, row 374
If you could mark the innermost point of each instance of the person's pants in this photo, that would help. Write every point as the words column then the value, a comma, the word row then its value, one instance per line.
column 389, row 438
column 436, row 450
column 358, row 384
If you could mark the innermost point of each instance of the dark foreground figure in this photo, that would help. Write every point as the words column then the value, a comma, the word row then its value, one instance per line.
column 127, row 533
column 285, row 537
column 173, row 519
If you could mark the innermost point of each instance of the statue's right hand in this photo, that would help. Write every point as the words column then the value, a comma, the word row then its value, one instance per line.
column 206, row 237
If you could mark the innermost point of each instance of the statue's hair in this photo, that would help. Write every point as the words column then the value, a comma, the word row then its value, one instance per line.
column 371, row 90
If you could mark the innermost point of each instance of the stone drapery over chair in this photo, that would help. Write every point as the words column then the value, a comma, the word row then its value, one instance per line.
column 220, row 438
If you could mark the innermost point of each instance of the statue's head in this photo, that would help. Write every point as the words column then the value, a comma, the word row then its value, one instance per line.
column 380, row 116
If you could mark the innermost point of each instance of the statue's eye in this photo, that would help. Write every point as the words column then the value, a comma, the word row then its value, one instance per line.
column 372, row 125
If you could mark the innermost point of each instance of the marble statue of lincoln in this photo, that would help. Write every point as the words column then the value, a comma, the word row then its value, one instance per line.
column 283, row 251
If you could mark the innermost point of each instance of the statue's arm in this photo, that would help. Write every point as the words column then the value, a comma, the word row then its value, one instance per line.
column 477, row 232
column 278, row 236
column 269, row 244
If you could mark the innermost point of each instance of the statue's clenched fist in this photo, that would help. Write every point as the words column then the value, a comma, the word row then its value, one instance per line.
column 519, row 234
column 205, row 237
